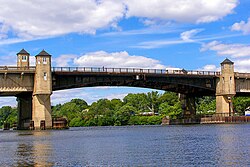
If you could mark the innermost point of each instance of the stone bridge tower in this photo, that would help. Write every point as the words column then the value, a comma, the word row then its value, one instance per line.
column 225, row 89
column 24, row 100
column 41, row 113
column 23, row 59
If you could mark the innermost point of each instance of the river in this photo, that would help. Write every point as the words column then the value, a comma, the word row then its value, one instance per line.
column 194, row 145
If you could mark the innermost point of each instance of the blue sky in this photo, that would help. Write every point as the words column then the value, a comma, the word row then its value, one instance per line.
column 189, row 34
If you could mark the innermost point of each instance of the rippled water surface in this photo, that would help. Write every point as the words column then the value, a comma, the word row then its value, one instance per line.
column 197, row 145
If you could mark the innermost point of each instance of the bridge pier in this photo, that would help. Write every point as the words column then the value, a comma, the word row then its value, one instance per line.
column 42, row 111
column 41, row 114
column 24, row 109
column 225, row 89
column 188, row 105
column 224, row 105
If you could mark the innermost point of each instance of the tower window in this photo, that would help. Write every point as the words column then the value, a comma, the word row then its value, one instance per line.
column 45, row 76
column 44, row 60
column 24, row 58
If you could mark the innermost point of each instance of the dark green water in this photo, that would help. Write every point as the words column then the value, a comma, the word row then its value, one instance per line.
column 199, row 145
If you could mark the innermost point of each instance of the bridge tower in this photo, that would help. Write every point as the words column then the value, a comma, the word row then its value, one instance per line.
column 225, row 89
column 24, row 100
column 42, row 91
column 23, row 59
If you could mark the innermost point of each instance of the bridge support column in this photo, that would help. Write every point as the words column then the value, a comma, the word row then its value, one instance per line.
column 42, row 91
column 188, row 105
column 224, row 105
column 24, row 109
column 42, row 111
column 225, row 89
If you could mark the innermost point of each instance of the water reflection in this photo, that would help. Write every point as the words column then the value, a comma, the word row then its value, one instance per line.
column 32, row 152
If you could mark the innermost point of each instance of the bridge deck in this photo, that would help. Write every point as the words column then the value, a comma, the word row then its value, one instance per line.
column 131, row 70
column 9, row 69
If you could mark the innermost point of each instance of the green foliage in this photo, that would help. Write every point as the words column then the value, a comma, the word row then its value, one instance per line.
column 8, row 115
column 173, row 111
column 70, row 110
column 106, row 112
column 240, row 104
column 130, row 111
column 206, row 105
column 122, row 116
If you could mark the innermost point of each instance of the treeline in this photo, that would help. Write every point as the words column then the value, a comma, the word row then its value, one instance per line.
column 133, row 109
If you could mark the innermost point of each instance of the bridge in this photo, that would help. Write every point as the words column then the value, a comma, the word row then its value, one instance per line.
column 33, row 86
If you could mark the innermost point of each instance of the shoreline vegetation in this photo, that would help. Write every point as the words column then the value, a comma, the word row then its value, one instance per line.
column 134, row 109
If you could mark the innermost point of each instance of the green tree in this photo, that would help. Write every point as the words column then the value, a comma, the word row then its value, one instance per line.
column 173, row 111
column 153, row 101
column 8, row 115
column 240, row 104
column 206, row 105
column 122, row 116
column 138, row 101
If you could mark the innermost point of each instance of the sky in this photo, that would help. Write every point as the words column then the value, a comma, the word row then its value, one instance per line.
column 189, row 34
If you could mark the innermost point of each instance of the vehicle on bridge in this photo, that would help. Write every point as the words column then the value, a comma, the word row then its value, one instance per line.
column 247, row 111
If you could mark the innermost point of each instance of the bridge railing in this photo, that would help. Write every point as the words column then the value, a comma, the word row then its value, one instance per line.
column 242, row 75
column 14, row 69
column 132, row 70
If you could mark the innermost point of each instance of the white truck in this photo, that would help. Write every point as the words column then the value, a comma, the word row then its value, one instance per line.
column 247, row 111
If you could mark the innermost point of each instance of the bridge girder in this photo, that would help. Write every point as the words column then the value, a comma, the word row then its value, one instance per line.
column 198, row 85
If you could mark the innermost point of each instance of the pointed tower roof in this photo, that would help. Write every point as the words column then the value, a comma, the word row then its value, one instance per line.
column 43, row 53
column 227, row 61
column 23, row 52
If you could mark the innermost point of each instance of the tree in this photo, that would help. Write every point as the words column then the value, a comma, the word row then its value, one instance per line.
column 173, row 111
column 138, row 101
column 153, row 101
column 122, row 116
column 206, row 105
column 240, row 104
column 8, row 115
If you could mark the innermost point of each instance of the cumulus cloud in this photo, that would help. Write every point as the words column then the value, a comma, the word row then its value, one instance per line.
column 116, row 59
column 64, row 60
column 187, row 35
column 242, row 26
column 209, row 67
column 29, row 19
column 232, row 50
column 8, row 101
column 239, row 53
column 242, row 65
column 194, row 11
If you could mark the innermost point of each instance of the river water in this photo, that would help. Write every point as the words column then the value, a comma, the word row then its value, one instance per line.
column 196, row 145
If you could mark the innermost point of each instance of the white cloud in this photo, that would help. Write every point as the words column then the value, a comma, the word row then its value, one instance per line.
column 29, row 19
column 116, row 59
column 187, row 35
column 242, row 26
column 242, row 65
column 232, row 50
column 22, row 21
column 209, row 67
column 64, row 96
column 159, row 43
column 194, row 11
column 8, row 101
column 64, row 60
